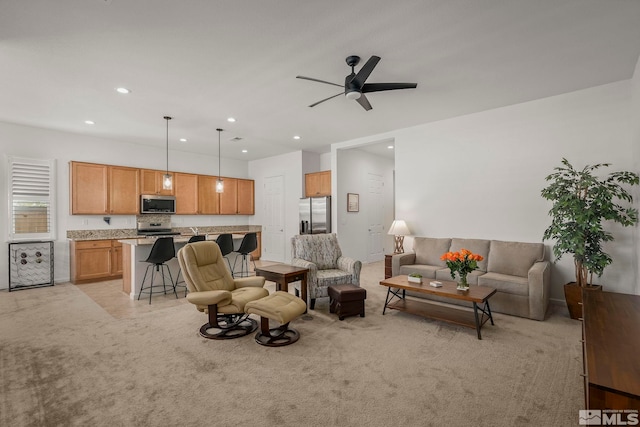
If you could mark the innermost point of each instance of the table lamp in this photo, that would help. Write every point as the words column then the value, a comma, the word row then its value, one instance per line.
column 399, row 229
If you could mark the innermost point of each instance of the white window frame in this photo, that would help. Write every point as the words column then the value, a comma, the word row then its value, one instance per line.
column 44, row 185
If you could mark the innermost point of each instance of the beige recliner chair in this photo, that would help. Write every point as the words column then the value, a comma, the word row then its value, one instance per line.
column 214, row 291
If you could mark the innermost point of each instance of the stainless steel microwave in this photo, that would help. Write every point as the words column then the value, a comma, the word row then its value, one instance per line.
column 151, row 203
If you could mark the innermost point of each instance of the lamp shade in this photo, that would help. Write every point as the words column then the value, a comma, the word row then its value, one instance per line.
column 399, row 228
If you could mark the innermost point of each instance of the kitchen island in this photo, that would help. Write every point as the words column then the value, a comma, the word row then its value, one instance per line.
column 134, row 251
column 96, row 255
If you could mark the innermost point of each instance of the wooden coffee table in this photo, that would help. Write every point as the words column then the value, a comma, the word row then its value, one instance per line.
column 283, row 274
column 398, row 285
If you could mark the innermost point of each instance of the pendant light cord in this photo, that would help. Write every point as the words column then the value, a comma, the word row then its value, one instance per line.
column 219, row 171
column 167, row 118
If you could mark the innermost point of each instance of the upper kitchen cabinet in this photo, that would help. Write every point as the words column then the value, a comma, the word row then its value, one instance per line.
column 246, row 197
column 317, row 184
column 185, row 187
column 105, row 189
column 151, row 183
column 229, row 197
column 102, row 189
column 208, row 200
column 123, row 190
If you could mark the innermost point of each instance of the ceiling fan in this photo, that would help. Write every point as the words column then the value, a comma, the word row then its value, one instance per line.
column 355, row 86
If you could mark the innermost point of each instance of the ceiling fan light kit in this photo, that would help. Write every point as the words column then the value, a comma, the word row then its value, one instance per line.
column 355, row 86
column 353, row 95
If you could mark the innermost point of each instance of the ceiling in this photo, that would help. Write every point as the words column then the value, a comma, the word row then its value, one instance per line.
column 202, row 61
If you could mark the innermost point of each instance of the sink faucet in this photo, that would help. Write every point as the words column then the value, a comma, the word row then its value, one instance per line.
column 194, row 230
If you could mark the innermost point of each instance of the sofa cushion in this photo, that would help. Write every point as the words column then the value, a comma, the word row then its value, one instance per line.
column 505, row 283
column 445, row 274
column 429, row 250
column 427, row 271
column 514, row 258
column 477, row 246
column 334, row 277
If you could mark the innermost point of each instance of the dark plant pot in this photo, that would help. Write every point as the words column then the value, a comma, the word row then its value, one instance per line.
column 573, row 296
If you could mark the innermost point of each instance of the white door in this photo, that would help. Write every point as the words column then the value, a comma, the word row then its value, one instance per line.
column 375, row 215
column 273, row 243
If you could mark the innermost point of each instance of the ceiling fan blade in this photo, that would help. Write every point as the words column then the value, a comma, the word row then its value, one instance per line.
column 364, row 102
column 377, row 87
column 319, row 81
column 326, row 99
column 366, row 69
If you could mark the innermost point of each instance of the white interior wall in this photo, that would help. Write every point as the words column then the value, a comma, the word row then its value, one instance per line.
column 480, row 175
column 290, row 167
column 325, row 161
column 353, row 166
column 635, row 120
column 310, row 164
column 487, row 170
column 37, row 143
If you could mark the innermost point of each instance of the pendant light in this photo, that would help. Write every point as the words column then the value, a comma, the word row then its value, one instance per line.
column 167, row 179
column 219, row 183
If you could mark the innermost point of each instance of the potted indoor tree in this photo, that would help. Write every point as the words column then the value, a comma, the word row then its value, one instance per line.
column 582, row 203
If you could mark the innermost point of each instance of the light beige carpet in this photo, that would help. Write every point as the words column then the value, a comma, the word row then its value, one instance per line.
column 65, row 361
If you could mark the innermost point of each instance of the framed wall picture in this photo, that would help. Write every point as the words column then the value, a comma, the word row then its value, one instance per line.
column 353, row 202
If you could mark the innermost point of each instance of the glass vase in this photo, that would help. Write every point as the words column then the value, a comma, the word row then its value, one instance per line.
column 463, row 285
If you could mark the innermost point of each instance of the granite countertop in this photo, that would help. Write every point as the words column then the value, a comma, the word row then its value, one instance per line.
column 185, row 232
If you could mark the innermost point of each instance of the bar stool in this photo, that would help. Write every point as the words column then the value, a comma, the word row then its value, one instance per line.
column 225, row 242
column 179, row 283
column 249, row 244
column 161, row 252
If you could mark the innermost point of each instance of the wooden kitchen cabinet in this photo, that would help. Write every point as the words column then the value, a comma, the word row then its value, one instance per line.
column 124, row 187
column 102, row 189
column 317, row 184
column 97, row 189
column 89, row 188
column 95, row 260
column 185, row 187
column 151, row 182
column 229, row 197
column 116, row 258
column 208, row 200
column 246, row 197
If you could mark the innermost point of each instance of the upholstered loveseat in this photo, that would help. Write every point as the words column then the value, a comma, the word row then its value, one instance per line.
column 517, row 270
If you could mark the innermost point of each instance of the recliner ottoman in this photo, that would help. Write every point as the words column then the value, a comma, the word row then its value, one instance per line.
column 347, row 300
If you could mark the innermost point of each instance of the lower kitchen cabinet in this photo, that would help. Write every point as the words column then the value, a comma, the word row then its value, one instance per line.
column 95, row 260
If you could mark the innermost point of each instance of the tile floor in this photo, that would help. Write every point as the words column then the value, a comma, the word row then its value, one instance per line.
column 109, row 295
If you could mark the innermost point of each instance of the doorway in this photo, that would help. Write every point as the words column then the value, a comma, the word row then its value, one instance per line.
column 273, row 241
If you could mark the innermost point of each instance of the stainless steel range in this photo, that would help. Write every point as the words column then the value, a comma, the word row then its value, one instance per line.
column 155, row 228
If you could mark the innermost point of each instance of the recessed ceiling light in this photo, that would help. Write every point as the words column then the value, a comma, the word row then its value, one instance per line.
column 183, row 139
column 231, row 120
column 123, row 90
column 390, row 147
column 90, row 122
column 245, row 151
column 296, row 137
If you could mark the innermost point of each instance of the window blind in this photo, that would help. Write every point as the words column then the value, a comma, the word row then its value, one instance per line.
column 31, row 198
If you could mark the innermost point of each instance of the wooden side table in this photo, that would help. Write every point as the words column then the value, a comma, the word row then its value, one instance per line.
column 387, row 266
column 283, row 274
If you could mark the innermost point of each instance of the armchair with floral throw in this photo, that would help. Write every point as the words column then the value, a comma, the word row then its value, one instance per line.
column 321, row 254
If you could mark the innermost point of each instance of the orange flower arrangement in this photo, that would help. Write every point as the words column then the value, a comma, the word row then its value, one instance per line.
column 463, row 262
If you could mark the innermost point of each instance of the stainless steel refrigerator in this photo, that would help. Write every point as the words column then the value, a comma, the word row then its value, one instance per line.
column 315, row 215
